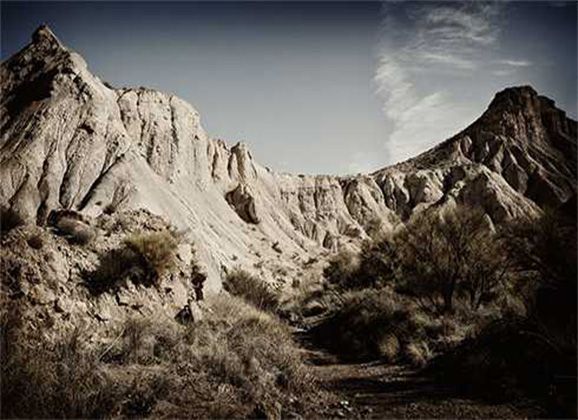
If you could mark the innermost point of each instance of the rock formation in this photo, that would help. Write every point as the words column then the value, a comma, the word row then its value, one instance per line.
column 70, row 141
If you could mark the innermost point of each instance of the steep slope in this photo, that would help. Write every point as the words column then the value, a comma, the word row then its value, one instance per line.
column 68, row 140
column 521, row 153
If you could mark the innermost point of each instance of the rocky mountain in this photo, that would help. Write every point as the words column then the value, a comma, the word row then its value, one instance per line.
column 71, row 141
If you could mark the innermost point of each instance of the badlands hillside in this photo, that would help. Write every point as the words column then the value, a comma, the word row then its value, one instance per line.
column 72, row 141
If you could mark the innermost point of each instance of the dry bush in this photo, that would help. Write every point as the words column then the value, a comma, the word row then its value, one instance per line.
column 236, row 362
column 440, row 254
column 143, row 258
column 250, row 350
column 157, row 251
column 342, row 270
column 311, row 297
column 53, row 380
column 448, row 277
column 370, row 324
column 114, row 269
column 251, row 289
column 417, row 353
column 435, row 258
column 75, row 231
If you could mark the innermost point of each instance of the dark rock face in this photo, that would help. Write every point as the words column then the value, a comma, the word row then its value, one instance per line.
column 243, row 202
column 70, row 141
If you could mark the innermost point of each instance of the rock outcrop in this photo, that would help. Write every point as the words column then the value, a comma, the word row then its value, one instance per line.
column 70, row 141
column 50, row 279
column 243, row 202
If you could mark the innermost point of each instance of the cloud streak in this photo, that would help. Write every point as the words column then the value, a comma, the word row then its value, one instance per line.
column 516, row 63
column 435, row 51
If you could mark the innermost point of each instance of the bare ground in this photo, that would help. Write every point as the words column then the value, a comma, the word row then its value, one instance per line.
column 378, row 390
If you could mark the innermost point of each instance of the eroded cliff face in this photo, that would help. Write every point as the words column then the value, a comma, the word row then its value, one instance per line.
column 519, row 156
column 70, row 141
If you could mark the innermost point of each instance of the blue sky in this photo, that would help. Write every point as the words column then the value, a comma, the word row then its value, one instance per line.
column 320, row 87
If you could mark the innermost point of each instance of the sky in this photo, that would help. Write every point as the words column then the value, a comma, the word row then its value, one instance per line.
column 323, row 87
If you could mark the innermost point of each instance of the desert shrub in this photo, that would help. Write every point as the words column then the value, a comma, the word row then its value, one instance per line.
column 236, row 362
column 9, row 219
column 342, row 269
column 142, row 258
column 75, row 231
column 374, row 228
column 370, row 324
column 435, row 259
column 378, row 262
column 157, row 251
column 348, row 271
column 54, row 380
column 508, row 360
column 544, row 254
column 251, row 289
column 114, row 268
column 417, row 353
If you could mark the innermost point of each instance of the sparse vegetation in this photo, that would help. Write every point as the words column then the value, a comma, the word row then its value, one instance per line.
column 440, row 256
column 156, row 251
column 237, row 362
column 534, row 354
column 114, row 268
column 251, row 289
column 42, row 379
column 373, row 324
column 415, row 292
column 342, row 270
column 142, row 258
column 451, row 288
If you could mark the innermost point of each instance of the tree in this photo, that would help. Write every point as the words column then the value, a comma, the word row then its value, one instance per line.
column 485, row 270
column 439, row 252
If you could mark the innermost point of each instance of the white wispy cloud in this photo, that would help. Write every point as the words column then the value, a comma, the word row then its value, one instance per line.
column 516, row 63
column 428, row 52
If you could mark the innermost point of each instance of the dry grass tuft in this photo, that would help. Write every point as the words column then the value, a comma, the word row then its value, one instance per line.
column 157, row 251
column 236, row 362
column 252, row 290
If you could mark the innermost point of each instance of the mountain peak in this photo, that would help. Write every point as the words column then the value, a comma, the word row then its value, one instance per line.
column 515, row 94
column 44, row 35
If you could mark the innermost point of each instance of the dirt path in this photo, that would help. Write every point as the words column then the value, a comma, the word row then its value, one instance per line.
column 377, row 390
